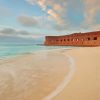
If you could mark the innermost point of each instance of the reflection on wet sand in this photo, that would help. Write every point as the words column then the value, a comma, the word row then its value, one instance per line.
column 32, row 76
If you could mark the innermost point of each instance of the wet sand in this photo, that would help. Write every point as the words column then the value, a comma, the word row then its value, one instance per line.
column 32, row 76
column 53, row 75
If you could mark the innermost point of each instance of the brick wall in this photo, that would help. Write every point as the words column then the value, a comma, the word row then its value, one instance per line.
column 76, row 39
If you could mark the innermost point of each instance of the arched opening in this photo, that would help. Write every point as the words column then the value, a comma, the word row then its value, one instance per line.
column 95, row 38
column 77, row 39
column 67, row 39
column 88, row 38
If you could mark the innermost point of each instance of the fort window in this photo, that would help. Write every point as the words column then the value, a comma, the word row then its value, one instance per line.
column 77, row 39
column 95, row 38
column 61, row 40
column 88, row 38
column 64, row 39
column 67, row 39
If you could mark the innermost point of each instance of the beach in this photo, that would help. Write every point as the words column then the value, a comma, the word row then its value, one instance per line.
column 85, row 84
column 64, row 74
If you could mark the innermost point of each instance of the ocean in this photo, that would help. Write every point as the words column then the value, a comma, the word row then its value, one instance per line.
column 11, row 50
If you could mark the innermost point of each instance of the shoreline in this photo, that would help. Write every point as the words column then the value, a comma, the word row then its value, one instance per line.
column 48, row 75
column 64, row 83
column 85, row 84
column 52, row 68
column 6, row 52
column 35, row 52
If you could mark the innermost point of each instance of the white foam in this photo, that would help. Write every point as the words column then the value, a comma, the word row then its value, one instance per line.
column 65, row 82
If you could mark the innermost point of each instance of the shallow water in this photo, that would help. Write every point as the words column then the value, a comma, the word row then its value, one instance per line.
column 32, row 77
column 9, row 50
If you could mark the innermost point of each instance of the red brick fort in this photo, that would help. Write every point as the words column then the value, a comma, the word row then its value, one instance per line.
column 76, row 39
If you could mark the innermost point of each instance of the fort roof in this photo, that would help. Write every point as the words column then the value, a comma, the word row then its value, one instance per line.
column 78, row 34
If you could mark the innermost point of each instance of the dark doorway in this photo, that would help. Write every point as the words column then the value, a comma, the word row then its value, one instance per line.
column 88, row 38
column 95, row 38
column 64, row 39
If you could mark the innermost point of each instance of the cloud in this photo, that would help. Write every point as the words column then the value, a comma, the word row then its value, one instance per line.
column 42, row 4
column 8, row 31
column 32, row 21
column 57, row 7
column 11, row 32
column 32, row 2
column 27, row 20
column 56, row 17
column 90, row 11
column 57, row 12
column 54, row 8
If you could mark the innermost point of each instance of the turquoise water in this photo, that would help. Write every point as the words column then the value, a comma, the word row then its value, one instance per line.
column 7, row 51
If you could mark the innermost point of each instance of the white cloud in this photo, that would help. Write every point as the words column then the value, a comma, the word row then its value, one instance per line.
column 55, row 16
column 42, row 4
column 90, row 11
column 56, row 10
column 27, row 20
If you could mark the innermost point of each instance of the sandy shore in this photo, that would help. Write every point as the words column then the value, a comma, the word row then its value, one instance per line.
column 53, row 75
column 32, row 76
column 85, row 84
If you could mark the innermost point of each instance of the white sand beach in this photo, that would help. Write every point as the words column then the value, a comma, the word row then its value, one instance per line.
column 52, row 75
column 85, row 84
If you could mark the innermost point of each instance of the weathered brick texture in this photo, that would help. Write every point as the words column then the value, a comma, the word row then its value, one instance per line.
column 76, row 39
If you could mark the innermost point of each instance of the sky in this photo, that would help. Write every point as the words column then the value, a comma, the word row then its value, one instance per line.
column 38, row 18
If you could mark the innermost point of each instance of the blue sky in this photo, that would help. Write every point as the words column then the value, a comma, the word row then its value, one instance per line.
column 48, row 17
